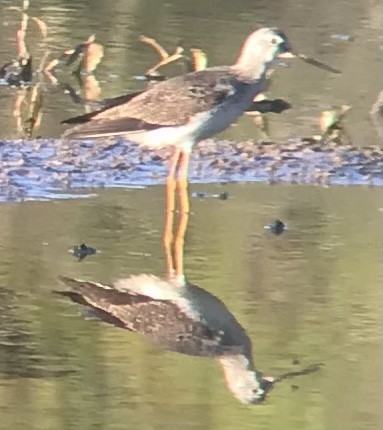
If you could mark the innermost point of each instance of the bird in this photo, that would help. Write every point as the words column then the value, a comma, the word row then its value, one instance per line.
column 178, row 316
column 186, row 109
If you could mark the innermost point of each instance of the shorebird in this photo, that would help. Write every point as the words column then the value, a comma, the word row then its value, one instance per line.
column 179, row 316
column 186, row 109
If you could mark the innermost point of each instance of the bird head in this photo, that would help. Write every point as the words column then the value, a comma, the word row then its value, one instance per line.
column 259, row 394
column 260, row 49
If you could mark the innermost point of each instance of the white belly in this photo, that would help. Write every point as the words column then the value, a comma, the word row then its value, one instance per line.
column 201, row 126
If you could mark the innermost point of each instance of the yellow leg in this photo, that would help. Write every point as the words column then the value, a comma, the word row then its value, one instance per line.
column 171, row 180
column 167, row 241
column 169, row 212
column 174, row 248
column 178, row 247
column 182, row 182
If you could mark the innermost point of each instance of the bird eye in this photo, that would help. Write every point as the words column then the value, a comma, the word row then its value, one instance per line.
column 274, row 41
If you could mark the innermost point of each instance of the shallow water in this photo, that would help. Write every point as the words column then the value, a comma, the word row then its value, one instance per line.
column 312, row 294
column 218, row 27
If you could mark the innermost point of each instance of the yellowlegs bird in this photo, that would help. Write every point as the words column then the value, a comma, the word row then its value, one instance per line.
column 186, row 109
column 180, row 316
column 177, row 315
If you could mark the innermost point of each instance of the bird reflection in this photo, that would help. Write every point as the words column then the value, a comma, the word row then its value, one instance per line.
column 179, row 316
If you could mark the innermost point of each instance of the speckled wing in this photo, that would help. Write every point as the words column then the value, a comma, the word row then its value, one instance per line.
column 170, row 103
column 175, row 101
column 162, row 321
column 101, row 106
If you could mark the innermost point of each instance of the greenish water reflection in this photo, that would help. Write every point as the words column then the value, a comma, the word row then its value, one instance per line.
column 218, row 27
column 311, row 294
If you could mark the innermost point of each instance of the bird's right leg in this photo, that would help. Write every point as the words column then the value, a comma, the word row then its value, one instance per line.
column 171, row 180
column 169, row 212
column 174, row 248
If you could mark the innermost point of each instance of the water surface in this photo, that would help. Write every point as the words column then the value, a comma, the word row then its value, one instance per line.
column 219, row 28
column 312, row 294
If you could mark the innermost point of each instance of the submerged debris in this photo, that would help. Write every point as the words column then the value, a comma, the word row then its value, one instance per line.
column 17, row 73
column 165, row 57
column 343, row 37
column 195, row 61
column 331, row 123
column 201, row 195
column 30, row 81
column 86, row 56
column 276, row 227
column 198, row 60
column 82, row 251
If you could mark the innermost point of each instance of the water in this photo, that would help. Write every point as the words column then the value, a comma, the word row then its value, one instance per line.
column 219, row 28
column 312, row 294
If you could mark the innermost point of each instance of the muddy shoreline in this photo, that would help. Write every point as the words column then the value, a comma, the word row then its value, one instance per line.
column 43, row 169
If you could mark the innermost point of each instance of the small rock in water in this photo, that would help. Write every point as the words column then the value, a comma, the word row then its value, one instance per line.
column 276, row 227
column 200, row 195
column 156, row 77
column 342, row 37
column 82, row 251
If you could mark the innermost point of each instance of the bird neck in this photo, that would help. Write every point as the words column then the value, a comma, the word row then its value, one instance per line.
column 241, row 377
column 254, row 61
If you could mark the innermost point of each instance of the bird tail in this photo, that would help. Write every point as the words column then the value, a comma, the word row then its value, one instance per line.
column 91, row 293
column 90, row 126
column 96, row 297
column 90, row 130
column 96, row 128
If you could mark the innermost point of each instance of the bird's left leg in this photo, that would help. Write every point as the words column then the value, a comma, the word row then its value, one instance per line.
column 178, row 246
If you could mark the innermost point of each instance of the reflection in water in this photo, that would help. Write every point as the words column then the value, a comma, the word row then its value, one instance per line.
column 179, row 316
column 20, row 355
column 31, row 81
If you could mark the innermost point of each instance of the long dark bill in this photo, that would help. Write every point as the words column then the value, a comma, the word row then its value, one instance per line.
column 317, row 63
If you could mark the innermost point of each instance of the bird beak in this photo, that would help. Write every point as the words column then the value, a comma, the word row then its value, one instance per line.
column 267, row 383
column 286, row 55
column 270, row 379
column 286, row 51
